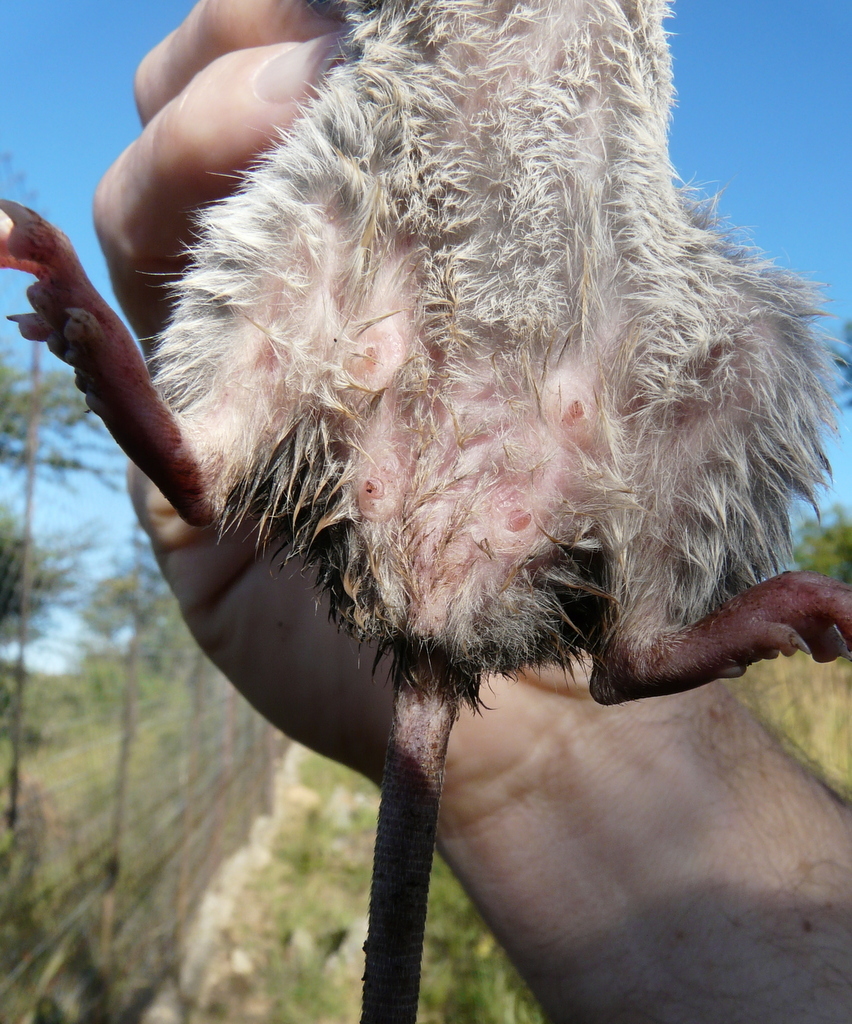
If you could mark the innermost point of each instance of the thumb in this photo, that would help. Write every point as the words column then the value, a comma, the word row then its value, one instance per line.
column 190, row 154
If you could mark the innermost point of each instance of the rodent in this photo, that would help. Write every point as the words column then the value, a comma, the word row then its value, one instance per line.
column 461, row 340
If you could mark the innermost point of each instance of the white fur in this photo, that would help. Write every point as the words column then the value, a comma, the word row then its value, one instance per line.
column 467, row 283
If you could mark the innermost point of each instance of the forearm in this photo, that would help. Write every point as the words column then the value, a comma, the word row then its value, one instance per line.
column 658, row 861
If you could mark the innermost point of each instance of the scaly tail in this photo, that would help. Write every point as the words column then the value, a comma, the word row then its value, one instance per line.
column 405, row 843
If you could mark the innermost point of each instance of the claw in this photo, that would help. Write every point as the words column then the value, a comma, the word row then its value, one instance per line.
column 21, row 248
column 796, row 611
column 32, row 326
column 82, row 330
column 828, row 645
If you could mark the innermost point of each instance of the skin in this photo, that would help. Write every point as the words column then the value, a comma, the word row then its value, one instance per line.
column 657, row 861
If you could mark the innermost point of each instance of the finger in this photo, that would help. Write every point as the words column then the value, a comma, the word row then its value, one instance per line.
column 168, row 532
column 190, row 155
column 262, row 625
column 216, row 27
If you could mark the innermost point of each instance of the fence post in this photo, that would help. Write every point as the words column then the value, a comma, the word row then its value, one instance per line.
column 226, row 770
column 128, row 734
column 197, row 682
column 20, row 674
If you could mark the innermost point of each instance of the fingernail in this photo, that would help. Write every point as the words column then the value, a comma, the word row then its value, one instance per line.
column 285, row 76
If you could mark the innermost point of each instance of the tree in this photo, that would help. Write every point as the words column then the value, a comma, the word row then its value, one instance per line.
column 67, row 433
column 826, row 546
column 53, row 576
column 43, row 426
column 135, row 608
column 843, row 361
column 61, row 411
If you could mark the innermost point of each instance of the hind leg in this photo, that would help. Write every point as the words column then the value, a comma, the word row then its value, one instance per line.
column 796, row 611
column 82, row 330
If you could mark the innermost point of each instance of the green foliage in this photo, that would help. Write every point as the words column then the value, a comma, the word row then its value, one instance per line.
column 842, row 352
column 65, row 427
column 54, row 570
column 826, row 546
column 135, row 606
column 302, row 923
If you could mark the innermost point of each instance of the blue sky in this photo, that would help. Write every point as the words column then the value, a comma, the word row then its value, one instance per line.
column 764, row 107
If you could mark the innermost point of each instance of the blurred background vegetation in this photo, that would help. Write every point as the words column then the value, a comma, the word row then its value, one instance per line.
column 131, row 775
column 292, row 947
column 130, row 772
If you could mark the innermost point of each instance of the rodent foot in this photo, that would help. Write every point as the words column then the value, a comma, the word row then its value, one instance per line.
column 796, row 611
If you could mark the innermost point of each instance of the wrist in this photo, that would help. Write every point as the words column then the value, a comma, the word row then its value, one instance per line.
column 623, row 856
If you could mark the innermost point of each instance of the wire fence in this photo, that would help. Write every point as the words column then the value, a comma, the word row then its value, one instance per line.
column 129, row 768
column 122, row 820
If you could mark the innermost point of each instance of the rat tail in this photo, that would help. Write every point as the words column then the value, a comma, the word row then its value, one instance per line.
column 405, row 843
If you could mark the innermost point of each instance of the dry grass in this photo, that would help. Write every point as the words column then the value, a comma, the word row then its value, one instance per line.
column 293, row 951
column 809, row 707
column 294, row 947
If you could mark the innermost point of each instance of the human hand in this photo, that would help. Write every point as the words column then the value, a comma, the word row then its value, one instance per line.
column 609, row 848
column 213, row 95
